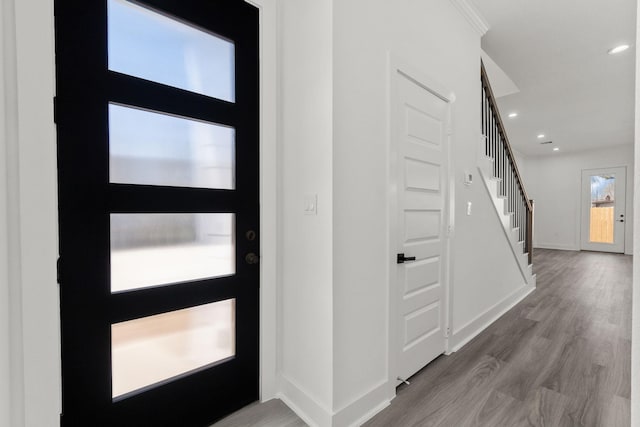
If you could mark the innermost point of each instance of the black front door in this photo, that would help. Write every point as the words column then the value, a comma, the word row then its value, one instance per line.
column 157, row 124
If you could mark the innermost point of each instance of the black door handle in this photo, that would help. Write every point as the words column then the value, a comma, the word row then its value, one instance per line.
column 401, row 258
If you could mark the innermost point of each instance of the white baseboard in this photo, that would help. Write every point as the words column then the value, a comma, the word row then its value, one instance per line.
column 363, row 408
column 555, row 246
column 303, row 404
column 469, row 331
column 315, row 414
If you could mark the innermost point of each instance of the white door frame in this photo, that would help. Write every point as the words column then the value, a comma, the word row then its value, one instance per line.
column 398, row 66
column 270, row 156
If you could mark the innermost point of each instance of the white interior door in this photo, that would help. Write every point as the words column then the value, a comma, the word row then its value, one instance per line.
column 603, row 209
column 420, row 128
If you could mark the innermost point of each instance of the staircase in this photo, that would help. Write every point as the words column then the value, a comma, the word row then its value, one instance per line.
column 501, row 178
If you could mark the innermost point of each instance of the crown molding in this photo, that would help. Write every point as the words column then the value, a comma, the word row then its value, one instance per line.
column 472, row 15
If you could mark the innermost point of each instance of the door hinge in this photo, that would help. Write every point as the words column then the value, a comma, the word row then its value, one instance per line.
column 61, row 421
column 55, row 109
column 447, row 333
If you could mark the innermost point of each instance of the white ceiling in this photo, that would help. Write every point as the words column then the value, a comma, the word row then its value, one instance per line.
column 501, row 83
column 571, row 90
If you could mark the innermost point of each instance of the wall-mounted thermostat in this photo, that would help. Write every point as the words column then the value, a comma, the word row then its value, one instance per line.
column 468, row 178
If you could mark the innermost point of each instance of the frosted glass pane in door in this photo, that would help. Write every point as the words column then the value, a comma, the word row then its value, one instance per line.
column 152, row 46
column 158, row 249
column 153, row 349
column 151, row 148
column 601, row 216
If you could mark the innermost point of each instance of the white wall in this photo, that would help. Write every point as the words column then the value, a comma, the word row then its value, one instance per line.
column 5, row 316
column 306, row 135
column 554, row 183
column 435, row 39
column 486, row 279
column 30, row 208
column 333, row 296
column 521, row 163
column 485, row 270
column 635, row 338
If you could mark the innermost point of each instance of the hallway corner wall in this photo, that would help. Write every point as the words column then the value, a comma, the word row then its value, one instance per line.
column 306, row 313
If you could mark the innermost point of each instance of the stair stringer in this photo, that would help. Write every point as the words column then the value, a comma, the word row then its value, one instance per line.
column 491, row 184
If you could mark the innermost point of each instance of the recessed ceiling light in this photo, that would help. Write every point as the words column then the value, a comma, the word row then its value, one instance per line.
column 541, row 136
column 512, row 115
column 618, row 49
column 556, row 149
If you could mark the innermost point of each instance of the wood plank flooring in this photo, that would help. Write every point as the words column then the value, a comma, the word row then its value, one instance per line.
column 561, row 357
column 273, row 413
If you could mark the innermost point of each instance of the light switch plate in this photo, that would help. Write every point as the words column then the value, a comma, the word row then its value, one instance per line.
column 311, row 204
column 468, row 178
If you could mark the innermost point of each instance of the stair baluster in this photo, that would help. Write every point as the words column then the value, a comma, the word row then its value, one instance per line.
column 497, row 147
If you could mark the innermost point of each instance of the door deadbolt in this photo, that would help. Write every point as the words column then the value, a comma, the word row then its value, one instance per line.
column 251, row 258
column 250, row 235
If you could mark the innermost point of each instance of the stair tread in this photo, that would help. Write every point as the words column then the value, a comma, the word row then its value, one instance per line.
column 517, row 245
